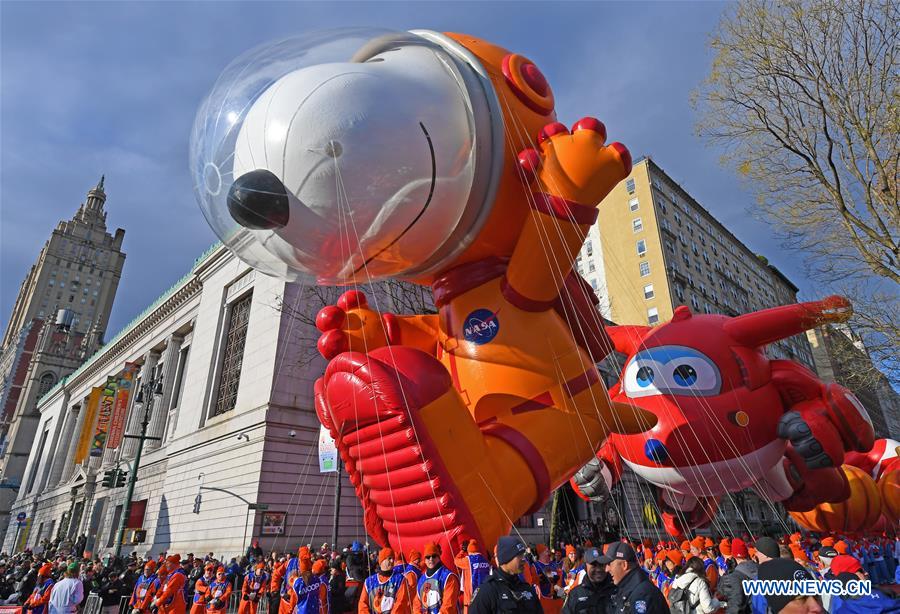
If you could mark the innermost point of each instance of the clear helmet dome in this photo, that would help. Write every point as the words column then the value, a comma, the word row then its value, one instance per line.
column 348, row 155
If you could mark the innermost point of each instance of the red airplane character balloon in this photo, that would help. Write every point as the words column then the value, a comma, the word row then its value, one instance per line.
column 730, row 418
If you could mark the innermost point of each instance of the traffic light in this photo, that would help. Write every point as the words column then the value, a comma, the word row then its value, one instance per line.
column 109, row 478
column 120, row 478
column 197, row 501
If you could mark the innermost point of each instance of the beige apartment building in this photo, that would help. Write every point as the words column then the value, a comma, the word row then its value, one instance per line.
column 654, row 247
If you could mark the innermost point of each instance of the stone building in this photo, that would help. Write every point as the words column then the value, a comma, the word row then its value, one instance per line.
column 58, row 320
column 235, row 408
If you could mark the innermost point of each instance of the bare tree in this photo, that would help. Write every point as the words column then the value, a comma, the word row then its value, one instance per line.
column 390, row 295
column 804, row 97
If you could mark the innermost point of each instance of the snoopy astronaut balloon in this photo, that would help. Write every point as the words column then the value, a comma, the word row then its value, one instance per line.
column 356, row 155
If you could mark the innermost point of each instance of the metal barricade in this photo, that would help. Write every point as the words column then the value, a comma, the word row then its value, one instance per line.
column 93, row 604
column 123, row 604
column 234, row 602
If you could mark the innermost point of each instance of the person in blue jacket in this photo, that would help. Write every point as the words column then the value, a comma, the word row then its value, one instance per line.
column 876, row 602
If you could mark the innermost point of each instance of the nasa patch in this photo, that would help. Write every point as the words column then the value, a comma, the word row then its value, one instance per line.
column 481, row 326
column 640, row 607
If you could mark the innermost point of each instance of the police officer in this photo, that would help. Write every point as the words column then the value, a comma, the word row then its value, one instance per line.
column 596, row 589
column 504, row 590
column 635, row 593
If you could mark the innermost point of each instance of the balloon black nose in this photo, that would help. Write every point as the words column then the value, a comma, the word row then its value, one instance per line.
column 258, row 200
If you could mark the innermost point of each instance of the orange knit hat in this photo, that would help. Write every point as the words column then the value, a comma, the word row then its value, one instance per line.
column 708, row 543
column 431, row 549
column 725, row 547
column 698, row 542
column 685, row 545
column 414, row 555
column 675, row 556
column 570, row 549
column 385, row 553
column 151, row 565
column 661, row 556
column 175, row 559
column 828, row 541
column 305, row 564
column 841, row 546
column 45, row 570
column 319, row 567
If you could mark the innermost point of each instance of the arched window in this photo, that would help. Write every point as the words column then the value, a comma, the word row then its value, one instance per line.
column 48, row 380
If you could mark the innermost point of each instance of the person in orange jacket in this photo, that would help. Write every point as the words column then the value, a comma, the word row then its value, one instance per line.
column 387, row 590
column 437, row 591
column 255, row 585
column 170, row 598
column 201, row 588
column 144, row 589
column 474, row 569
column 219, row 592
column 275, row 581
column 40, row 596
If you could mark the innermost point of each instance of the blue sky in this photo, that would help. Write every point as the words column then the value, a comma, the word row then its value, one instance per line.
column 112, row 87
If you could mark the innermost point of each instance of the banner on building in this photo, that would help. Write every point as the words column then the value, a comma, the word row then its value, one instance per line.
column 273, row 523
column 120, row 410
column 87, row 427
column 104, row 416
column 327, row 451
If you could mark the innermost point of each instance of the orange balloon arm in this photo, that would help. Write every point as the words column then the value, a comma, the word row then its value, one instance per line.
column 415, row 331
column 545, row 252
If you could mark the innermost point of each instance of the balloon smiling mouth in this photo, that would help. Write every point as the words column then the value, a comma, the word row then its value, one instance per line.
column 419, row 214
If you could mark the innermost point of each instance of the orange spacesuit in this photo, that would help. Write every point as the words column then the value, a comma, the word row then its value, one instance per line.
column 493, row 383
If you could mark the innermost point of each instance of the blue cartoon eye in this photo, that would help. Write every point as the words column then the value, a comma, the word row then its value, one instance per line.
column 644, row 377
column 684, row 375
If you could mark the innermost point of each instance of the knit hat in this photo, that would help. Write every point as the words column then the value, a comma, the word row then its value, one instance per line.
column 431, row 549
column 782, row 569
column 472, row 548
column 570, row 549
column 151, row 565
column 698, row 542
column 45, row 570
column 260, row 565
column 220, row 569
column 708, row 543
column 685, row 545
column 385, row 553
column 319, row 567
column 508, row 548
column 305, row 564
column 828, row 541
column 769, row 547
column 661, row 556
column 207, row 567
column 845, row 563
column 303, row 551
column 414, row 555
column 739, row 548
column 675, row 556
column 725, row 547
column 175, row 559
column 72, row 567
column 841, row 546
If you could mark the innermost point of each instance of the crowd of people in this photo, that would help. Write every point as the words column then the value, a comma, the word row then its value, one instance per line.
column 699, row 576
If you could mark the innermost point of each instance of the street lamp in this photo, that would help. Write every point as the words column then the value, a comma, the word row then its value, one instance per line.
column 151, row 389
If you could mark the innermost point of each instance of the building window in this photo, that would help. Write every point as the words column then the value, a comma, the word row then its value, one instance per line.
column 48, row 380
column 637, row 225
column 648, row 291
column 645, row 268
column 633, row 204
column 629, row 186
column 235, row 339
column 591, row 267
column 36, row 460
column 641, row 247
column 589, row 248
column 653, row 315
column 594, row 285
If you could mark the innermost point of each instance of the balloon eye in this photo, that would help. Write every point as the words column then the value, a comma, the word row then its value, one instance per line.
column 644, row 377
column 684, row 375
